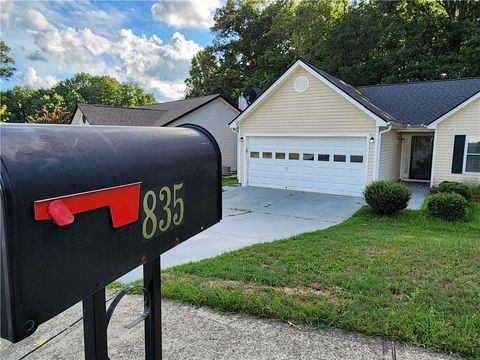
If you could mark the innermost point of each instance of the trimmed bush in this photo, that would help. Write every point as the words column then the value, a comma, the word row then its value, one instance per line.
column 387, row 197
column 448, row 206
column 456, row 188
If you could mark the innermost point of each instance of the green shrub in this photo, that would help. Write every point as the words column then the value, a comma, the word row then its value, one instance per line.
column 448, row 206
column 456, row 188
column 475, row 192
column 387, row 197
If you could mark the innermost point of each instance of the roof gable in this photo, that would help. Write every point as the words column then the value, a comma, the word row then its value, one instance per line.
column 339, row 86
column 433, row 125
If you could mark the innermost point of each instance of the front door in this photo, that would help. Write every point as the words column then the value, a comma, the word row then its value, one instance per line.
column 421, row 157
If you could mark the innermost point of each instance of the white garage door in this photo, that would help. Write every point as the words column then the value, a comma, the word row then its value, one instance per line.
column 333, row 165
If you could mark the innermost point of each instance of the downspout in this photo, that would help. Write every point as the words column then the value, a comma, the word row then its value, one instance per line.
column 237, row 131
column 378, row 148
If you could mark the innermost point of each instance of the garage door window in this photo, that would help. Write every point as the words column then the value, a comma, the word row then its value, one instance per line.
column 280, row 156
column 254, row 154
column 356, row 158
column 308, row 157
column 339, row 158
column 267, row 155
column 323, row 157
column 293, row 156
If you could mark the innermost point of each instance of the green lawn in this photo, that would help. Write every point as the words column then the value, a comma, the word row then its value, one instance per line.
column 410, row 278
column 229, row 181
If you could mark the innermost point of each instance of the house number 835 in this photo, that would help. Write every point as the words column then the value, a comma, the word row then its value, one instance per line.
column 169, row 202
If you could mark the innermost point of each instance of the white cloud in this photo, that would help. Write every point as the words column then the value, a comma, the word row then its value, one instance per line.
column 37, row 21
column 186, row 13
column 6, row 10
column 30, row 77
column 146, row 60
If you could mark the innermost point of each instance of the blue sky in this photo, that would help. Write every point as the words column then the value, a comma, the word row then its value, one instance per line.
column 147, row 42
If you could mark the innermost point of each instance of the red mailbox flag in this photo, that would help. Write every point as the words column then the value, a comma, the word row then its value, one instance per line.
column 122, row 200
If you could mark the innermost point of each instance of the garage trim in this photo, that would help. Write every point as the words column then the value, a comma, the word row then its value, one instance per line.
column 248, row 135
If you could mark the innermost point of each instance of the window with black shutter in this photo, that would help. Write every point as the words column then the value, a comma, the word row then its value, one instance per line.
column 458, row 154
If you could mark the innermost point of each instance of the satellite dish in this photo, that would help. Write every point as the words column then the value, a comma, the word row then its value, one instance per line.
column 252, row 94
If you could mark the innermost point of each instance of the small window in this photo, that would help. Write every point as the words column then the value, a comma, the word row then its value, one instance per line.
column 339, row 158
column 323, row 157
column 254, row 154
column 293, row 156
column 280, row 156
column 308, row 157
column 267, row 155
column 472, row 161
column 356, row 158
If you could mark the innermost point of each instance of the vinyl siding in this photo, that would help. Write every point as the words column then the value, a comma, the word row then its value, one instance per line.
column 390, row 156
column 215, row 117
column 466, row 121
column 317, row 111
column 77, row 118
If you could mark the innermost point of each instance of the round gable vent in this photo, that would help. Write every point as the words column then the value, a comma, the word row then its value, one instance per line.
column 301, row 84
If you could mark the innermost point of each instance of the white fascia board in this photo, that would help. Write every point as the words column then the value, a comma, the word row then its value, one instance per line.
column 434, row 124
column 378, row 120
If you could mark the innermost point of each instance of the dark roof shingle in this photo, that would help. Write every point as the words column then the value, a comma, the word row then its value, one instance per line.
column 159, row 114
column 118, row 115
column 421, row 103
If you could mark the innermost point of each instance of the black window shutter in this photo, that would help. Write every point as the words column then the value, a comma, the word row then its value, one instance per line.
column 458, row 150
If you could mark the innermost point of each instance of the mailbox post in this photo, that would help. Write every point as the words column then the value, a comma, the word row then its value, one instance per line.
column 81, row 206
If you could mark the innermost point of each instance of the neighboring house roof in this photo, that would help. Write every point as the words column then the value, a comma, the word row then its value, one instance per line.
column 159, row 114
column 118, row 115
column 415, row 103
column 421, row 103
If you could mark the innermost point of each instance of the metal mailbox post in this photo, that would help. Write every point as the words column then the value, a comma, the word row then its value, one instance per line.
column 82, row 205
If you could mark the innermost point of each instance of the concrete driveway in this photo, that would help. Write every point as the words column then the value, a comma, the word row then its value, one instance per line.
column 253, row 215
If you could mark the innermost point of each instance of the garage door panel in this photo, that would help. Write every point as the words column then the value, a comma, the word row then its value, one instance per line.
column 338, row 177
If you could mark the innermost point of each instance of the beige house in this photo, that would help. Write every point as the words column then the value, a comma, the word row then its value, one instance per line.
column 211, row 112
column 311, row 131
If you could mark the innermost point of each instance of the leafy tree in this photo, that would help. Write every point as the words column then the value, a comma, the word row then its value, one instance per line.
column 4, row 114
column 106, row 90
column 27, row 104
column 252, row 46
column 55, row 114
column 363, row 42
column 204, row 74
column 6, row 62
column 21, row 101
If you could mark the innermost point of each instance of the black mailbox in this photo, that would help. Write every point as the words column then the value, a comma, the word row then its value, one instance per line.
column 83, row 205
